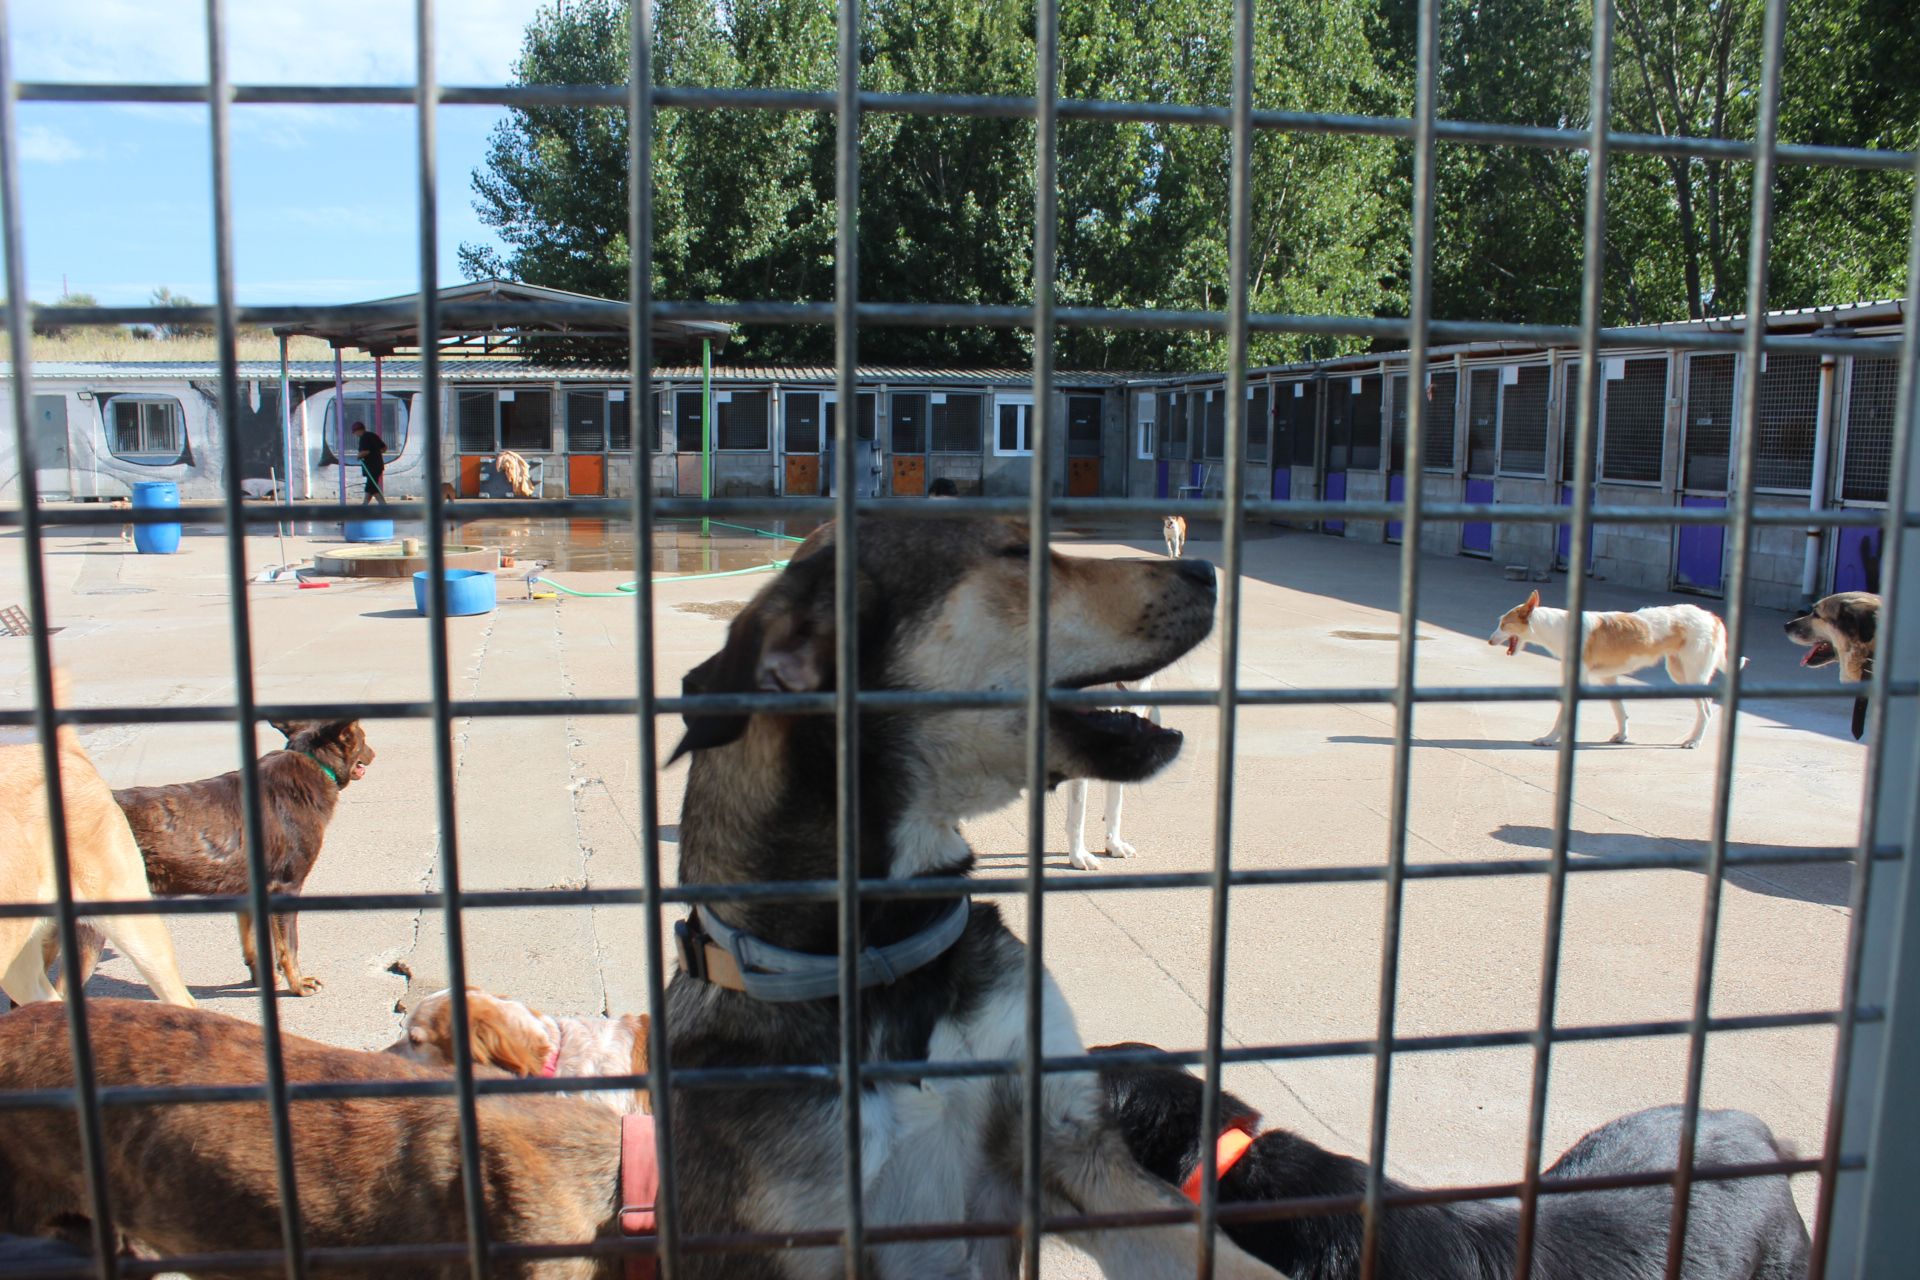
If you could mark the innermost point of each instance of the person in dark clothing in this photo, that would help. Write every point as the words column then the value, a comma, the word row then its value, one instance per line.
column 373, row 461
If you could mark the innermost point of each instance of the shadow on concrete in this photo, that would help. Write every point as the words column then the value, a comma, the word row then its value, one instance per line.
column 393, row 613
column 1824, row 883
column 119, row 989
column 1503, row 744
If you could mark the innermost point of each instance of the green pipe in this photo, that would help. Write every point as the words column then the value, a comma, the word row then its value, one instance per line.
column 706, row 423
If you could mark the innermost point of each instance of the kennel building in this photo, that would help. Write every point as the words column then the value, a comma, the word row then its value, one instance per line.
column 1499, row 429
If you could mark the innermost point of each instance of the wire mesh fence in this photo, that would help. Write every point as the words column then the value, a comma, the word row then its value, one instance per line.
column 1613, row 416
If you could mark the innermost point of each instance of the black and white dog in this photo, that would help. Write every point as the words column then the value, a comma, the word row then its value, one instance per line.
column 942, row 605
column 1738, row 1228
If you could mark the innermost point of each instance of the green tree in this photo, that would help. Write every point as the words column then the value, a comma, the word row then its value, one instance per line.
column 165, row 297
column 69, row 299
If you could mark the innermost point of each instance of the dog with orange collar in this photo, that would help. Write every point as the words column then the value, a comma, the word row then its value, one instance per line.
column 1741, row 1228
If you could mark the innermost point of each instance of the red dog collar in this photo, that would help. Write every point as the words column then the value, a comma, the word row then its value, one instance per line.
column 1230, row 1146
column 639, row 1187
column 550, row 1065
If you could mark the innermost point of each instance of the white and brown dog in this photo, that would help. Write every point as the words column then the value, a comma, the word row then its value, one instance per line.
column 1174, row 530
column 1078, row 855
column 518, row 1039
column 1692, row 642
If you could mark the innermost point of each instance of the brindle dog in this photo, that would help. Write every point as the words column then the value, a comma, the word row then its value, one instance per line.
column 199, row 1178
column 942, row 605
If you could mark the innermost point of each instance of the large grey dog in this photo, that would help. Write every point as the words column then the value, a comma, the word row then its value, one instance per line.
column 942, row 606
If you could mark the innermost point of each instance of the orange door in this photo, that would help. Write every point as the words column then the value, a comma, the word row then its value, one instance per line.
column 470, row 476
column 1083, row 477
column 687, row 475
column 803, row 474
column 586, row 475
column 909, row 477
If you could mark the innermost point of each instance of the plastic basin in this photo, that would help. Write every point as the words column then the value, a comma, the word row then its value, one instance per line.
column 468, row 591
column 369, row 531
column 156, row 539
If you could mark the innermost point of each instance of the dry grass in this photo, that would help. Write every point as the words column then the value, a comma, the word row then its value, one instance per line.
column 88, row 345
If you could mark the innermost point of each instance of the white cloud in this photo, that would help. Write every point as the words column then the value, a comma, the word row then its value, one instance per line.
column 268, row 41
column 42, row 144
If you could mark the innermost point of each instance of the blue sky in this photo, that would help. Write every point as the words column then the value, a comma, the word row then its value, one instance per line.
column 118, row 198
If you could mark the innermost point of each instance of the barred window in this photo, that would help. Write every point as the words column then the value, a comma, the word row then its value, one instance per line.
column 1635, row 415
column 1172, row 444
column 1210, row 407
column 1256, row 422
column 526, row 421
column 1523, row 420
column 1483, row 420
column 1304, row 397
column 1789, row 405
column 1709, row 429
column 148, row 430
column 741, row 420
column 1365, row 424
column 1083, row 426
column 1871, row 389
column 956, row 424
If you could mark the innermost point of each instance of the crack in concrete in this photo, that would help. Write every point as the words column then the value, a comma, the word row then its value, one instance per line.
column 581, row 780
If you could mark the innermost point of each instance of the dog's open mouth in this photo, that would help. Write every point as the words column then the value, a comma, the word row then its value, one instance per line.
column 359, row 770
column 1114, row 745
column 1818, row 654
column 1512, row 642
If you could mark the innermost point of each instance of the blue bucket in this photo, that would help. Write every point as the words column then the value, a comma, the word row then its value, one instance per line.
column 156, row 539
column 469, row 591
column 369, row 531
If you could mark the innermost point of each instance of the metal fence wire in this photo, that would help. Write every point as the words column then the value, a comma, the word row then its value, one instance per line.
column 1866, row 1169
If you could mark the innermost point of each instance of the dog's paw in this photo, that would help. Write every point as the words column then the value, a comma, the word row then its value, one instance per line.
column 1546, row 742
column 1622, row 737
column 1688, row 744
column 1118, row 848
column 307, row 986
column 1081, row 860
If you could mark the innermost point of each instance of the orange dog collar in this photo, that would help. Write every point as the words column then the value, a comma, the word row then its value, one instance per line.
column 1227, row 1152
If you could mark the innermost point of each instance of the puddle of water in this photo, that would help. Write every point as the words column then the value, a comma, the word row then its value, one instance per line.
column 583, row 545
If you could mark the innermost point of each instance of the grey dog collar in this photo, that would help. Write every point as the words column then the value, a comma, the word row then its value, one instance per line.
column 714, row 951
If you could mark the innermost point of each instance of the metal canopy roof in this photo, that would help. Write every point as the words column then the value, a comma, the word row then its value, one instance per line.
column 485, row 309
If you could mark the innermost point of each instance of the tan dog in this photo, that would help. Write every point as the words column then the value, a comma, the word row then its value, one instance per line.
column 1692, row 642
column 1840, row 628
column 105, row 864
column 1174, row 530
column 371, row 1171
column 521, row 1040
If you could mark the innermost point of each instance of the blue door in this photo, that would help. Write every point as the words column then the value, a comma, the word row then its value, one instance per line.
column 1857, row 567
column 1396, row 492
column 1160, row 478
column 1476, row 539
column 1282, row 482
column 1700, row 550
column 1564, row 545
column 1336, row 492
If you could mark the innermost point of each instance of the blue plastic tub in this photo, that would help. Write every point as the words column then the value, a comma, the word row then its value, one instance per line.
column 369, row 531
column 156, row 539
column 468, row 591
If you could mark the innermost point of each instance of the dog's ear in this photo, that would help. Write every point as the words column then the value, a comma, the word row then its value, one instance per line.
column 1857, row 621
column 781, row 643
column 287, row 728
column 499, row 1041
column 1533, row 602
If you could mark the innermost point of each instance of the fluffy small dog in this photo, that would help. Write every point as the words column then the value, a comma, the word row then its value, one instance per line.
column 1840, row 628
column 1174, row 530
column 1692, row 642
column 522, row 1040
column 1079, row 857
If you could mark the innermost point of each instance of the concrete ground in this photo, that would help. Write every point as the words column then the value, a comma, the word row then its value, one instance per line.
column 554, row 803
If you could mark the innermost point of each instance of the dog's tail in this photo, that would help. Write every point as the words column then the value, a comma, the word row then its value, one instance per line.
column 67, row 736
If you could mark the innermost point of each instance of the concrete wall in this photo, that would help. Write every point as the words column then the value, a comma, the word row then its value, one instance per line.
column 1635, row 555
column 1366, row 486
column 1531, row 545
column 1441, row 539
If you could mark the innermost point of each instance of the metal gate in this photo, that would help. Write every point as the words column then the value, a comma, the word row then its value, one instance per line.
column 1869, row 1167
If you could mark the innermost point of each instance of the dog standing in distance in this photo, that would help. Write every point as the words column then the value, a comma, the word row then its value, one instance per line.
column 104, row 863
column 1174, row 530
column 1739, row 1228
column 1691, row 641
column 1078, row 856
column 193, row 838
column 513, row 1037
column 1840, row 628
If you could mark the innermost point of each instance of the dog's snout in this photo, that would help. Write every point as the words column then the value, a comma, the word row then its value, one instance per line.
column 1199, row 572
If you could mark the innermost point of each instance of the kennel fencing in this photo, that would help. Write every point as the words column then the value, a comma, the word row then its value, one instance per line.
column 1868, row 1169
